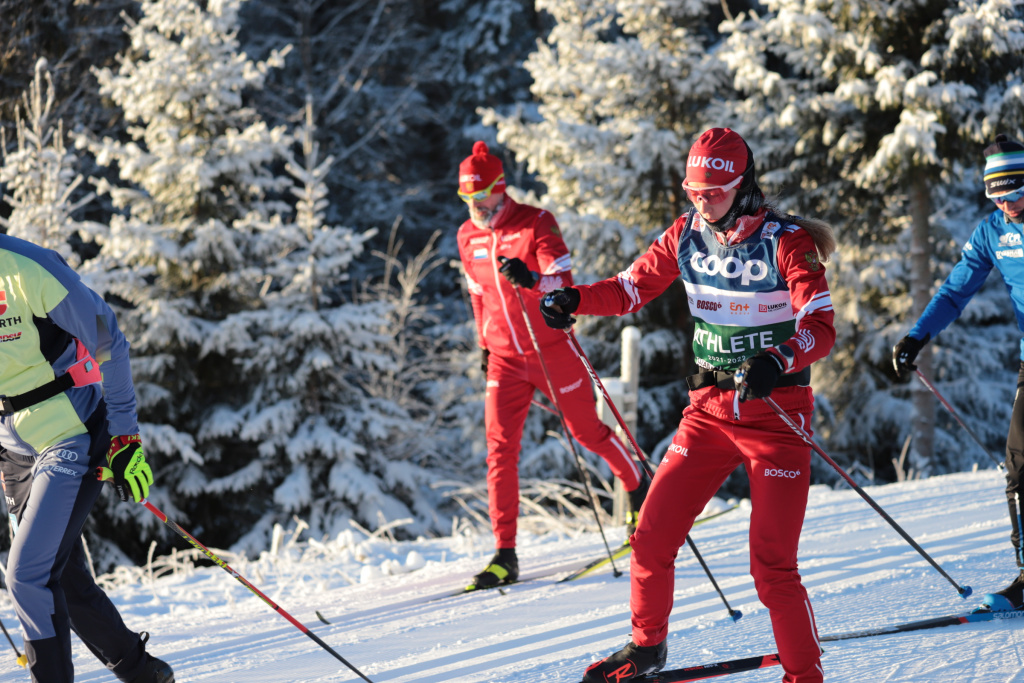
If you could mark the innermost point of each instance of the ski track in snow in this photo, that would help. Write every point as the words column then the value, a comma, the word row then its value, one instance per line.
column 404, row 628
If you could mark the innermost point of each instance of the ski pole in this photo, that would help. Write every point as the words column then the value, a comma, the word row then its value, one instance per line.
column 608, row 399
column 1020, row 530
column 223, row 565
column 565, row 428
column 574, row 343
column 963, row 591
column 543, row 407
column 734, row 613
column 944, row 402
column 22, row 659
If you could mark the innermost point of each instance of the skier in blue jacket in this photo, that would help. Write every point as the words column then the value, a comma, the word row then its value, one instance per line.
column 67, row 424
column 998, row 242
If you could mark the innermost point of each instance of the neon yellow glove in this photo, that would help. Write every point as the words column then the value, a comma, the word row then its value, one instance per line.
column 127, row 468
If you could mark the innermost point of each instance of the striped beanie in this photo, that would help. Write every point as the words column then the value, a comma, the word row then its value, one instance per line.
column 1004, row 166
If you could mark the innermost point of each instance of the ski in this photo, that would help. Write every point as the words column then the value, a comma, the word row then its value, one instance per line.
column 624, row 550
column 499, row 588
column 937, row 622
column 732, row 666
column 702, row 671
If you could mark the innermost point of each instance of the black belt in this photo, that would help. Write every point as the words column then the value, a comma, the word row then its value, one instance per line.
column 725, row 382
column 12, row 404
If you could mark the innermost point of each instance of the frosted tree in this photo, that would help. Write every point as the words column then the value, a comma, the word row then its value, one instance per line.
column 338, row 434
column 621, row 89
column 873, row 115
column 43, row 187
column 185, row 251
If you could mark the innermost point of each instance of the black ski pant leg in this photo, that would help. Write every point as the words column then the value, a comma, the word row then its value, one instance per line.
column 94, row 618
column 96, row 621
column 1015, row 465
column 49, row 655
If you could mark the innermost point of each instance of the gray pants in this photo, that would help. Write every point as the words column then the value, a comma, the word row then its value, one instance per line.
column 48, row 498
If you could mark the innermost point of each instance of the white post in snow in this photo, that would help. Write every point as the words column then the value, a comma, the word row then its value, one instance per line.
column 624, row 391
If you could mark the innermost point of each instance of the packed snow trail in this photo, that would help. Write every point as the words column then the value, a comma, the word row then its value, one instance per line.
column 396, row 629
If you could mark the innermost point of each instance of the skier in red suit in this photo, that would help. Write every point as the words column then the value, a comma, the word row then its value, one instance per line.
column 502, row 246
column 762, row 314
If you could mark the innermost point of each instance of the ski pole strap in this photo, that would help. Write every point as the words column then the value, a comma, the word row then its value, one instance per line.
column 85, row 371
column 725, row 382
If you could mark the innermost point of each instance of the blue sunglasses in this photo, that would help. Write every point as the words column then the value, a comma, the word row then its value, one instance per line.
column 1010, row 197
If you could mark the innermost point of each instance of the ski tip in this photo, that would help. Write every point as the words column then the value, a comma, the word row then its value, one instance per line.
column 735, row 614
column 321, row 617
column 966, row 591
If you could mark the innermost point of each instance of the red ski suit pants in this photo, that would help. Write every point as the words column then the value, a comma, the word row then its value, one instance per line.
column 703, row 453
column 511, row 382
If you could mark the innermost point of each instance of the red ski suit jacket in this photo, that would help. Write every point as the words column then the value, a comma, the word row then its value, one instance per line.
column 652, row 273
column 531, row 235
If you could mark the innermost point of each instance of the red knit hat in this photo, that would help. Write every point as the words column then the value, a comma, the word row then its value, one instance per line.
column 478, row 171
column 718, row 157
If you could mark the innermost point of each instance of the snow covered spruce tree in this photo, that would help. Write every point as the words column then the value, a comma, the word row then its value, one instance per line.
column 621, row 90
column 43, row 186
column 259, row 363
column 182, row 254
column 874, row 116
column 335, row 408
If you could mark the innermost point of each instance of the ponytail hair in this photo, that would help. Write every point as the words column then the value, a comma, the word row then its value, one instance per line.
column 821, row 232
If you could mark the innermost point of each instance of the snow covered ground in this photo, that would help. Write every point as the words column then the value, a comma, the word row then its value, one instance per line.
column 378, row 596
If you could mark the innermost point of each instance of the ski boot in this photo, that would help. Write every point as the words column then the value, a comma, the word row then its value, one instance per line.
column 628, row 663
column 503, row 568
column 1009, row 599
column 154, row 670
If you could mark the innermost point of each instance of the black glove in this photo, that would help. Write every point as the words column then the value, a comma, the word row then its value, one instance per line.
column 904, row 353
column 518, row 273
column 485, row 355
column 757, row 376
column 558, row 306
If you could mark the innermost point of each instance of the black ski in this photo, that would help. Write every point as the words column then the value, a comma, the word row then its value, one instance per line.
column 732, row 666
column 937, row 622
column 696, row 673
column 499, row 588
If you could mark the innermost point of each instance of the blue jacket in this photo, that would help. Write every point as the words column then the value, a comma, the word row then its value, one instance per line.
column 46, row 311
column 995, row 242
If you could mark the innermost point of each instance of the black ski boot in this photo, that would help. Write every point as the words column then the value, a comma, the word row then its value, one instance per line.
column 636, row 500
column 154, row 670
column 628, row 663
column 1007, row 600
column 503, row 568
